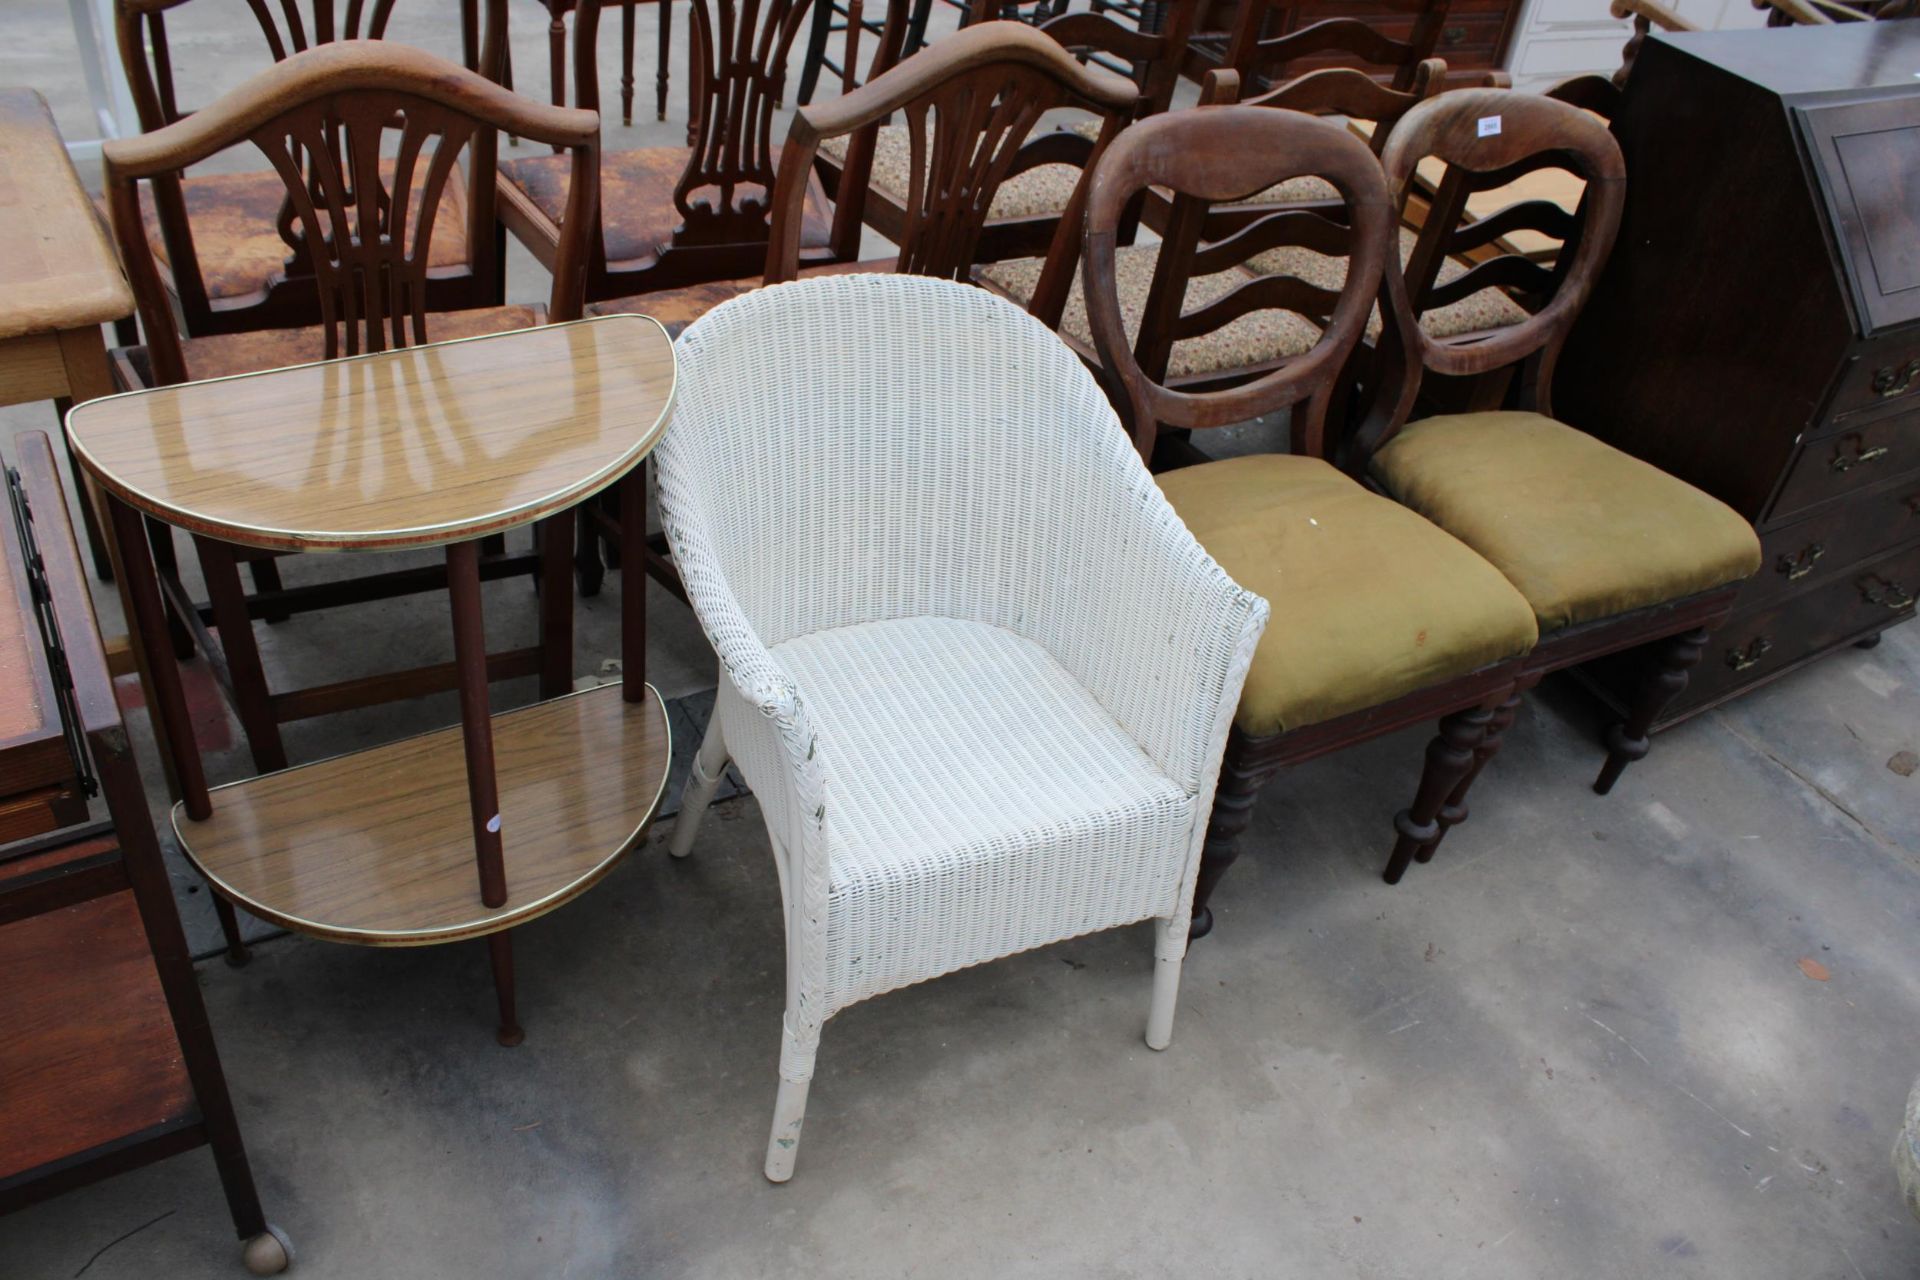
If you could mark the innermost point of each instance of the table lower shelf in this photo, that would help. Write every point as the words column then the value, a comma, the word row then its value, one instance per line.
column 89, row 1056
column 376, row 847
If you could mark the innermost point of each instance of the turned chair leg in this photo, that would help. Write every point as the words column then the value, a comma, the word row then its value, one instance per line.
column 1454, row 811
column 1627, row 741
column 1449, row 756
column 500, row 954
column 709, row 764
column 1232, row 810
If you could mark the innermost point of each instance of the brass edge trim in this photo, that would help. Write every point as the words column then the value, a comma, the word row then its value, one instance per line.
column 397, row 938
column 389, row 540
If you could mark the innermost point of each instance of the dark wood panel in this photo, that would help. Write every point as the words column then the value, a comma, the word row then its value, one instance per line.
column 1865, row 159
column 1752, row 647
column 1758, row 334
column 1883, row 373
column 33, row 744
column 1715, row 335
column 1801, row 554
column 1832, row 467
column 88, row 1052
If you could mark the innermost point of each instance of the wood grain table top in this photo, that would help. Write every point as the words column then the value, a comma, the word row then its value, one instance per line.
column 58, row 269
column 430, row 445
column 376, row 847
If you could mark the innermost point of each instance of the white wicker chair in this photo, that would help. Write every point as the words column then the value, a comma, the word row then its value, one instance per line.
column 976, row 670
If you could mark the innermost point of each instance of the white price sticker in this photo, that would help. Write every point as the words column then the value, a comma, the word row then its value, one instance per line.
column 1489, row 126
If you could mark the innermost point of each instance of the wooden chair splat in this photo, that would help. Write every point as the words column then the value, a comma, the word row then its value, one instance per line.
column 1391, row 622
column 205, row 230
column 1568, row 508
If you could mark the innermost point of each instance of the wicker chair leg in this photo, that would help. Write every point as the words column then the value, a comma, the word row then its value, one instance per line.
column 709, row 763
column 1169, row 952
column 790, row 1104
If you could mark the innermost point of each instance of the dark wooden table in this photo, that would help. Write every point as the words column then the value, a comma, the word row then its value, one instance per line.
column 106, row 1058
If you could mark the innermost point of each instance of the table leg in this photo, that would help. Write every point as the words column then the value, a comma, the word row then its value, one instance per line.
column 500, row 954
column 148, row 618
column 89, row 376
column 476, row 723
column 248, row 678
column 555, row 535
column 147, row 875
column 633, row 584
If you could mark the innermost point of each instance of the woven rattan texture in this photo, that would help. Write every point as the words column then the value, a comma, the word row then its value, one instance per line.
column 975, row 668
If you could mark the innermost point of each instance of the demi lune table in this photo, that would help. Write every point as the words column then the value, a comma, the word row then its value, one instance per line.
column 461, row 832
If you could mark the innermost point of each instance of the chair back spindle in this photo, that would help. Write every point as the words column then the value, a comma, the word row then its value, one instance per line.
column 1487, row 139
column 969, row 104
column 321, row 117
column 1264, row 58
column 1217, row 154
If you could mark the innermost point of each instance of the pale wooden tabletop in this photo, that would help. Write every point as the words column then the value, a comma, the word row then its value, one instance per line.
column 430, row 445
column 58, row 270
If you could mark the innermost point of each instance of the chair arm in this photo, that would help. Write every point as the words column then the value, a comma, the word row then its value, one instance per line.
column 1150, row 623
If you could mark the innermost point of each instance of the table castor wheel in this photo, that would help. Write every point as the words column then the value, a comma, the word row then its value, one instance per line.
column 269, row 1253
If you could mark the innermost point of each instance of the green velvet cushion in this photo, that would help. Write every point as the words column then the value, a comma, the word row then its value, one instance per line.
column 1582, row 529
column 1370, row 602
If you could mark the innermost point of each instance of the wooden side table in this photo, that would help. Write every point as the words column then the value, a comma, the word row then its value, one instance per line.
column 60, row 280
column 462, row 832
column 108, row 1062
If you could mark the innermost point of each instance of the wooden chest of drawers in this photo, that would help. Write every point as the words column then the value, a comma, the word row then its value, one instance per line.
column 1757, row 330
column 1474, row 38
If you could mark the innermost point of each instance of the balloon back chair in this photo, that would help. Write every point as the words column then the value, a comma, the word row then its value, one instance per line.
column 1612, row 554
column 1389, row 621
column 972, row 664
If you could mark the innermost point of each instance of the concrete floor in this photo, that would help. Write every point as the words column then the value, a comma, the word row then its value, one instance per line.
column 1580, row 1044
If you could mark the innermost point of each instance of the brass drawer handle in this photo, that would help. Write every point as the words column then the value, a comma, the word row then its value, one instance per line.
column 1875, row 589
column 1741, row 659
column 1843, row 461
column 1800, row 564
column 1896, row 379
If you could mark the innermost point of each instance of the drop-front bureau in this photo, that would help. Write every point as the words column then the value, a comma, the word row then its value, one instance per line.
column 1757, row 330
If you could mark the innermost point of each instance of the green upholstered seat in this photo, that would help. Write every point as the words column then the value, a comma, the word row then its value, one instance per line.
column 1582, row 529
column 1370, row 602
